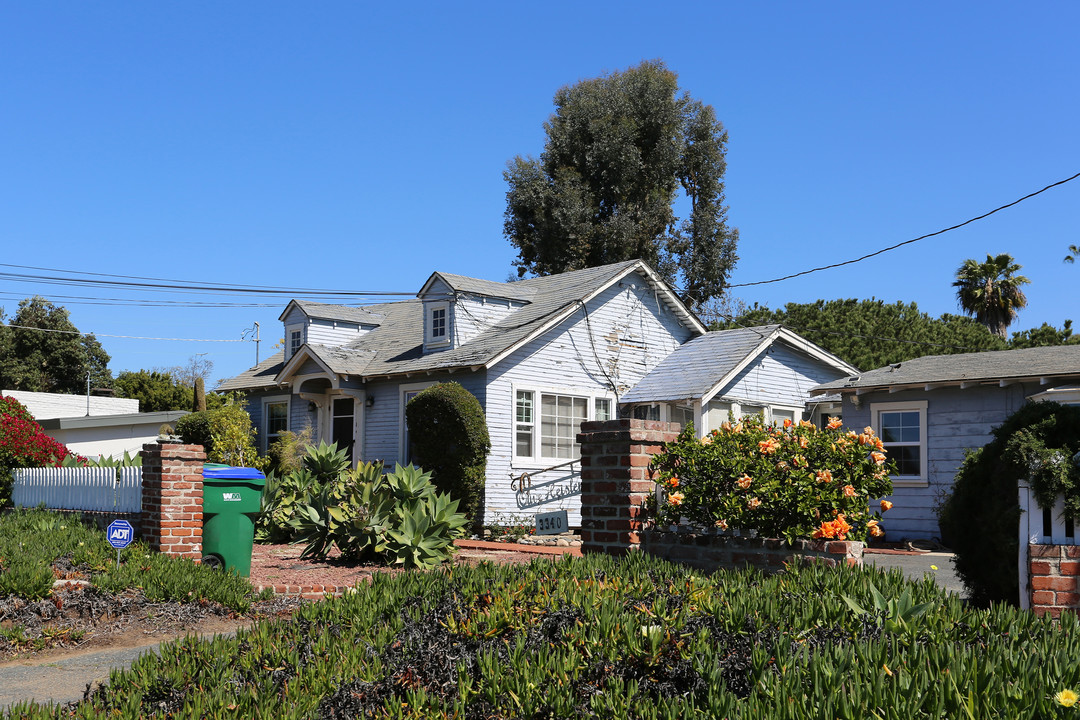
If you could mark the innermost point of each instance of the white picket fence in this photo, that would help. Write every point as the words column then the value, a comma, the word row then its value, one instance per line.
column 89, row 489
column 1040, row 526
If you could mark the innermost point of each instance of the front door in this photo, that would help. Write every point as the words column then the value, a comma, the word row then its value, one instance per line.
column 341, row 425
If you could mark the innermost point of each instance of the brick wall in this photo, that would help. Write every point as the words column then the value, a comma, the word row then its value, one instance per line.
column 172, row 492
column 615, row 480
column 711, row 552
column 615, row 483
column 1053, row 572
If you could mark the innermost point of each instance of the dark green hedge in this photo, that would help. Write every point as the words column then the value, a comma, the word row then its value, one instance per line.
column 980, row 520
column 448, row 436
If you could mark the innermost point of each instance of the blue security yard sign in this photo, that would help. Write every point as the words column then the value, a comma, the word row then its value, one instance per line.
column 120, row 533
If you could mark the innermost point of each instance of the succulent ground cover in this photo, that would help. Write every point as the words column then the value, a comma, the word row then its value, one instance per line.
column 147, row 590
column 613, row 638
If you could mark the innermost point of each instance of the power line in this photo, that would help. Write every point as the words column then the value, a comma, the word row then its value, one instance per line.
column 908, row 242
column 124, row 281
column 126, row 337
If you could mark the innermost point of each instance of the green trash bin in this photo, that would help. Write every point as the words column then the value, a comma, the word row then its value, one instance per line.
column 231, row 500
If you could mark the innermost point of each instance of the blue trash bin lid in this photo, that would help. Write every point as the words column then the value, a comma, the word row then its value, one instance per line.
column 233, row 473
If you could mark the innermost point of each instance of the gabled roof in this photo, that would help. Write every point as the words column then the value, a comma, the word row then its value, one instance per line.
column 340, row 313
column 706, row 365
column 1046, row 365
column 475, row 286
column 395, row 347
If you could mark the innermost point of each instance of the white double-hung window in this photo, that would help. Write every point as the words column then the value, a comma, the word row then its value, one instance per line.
column 546, row 424
column 902, row 429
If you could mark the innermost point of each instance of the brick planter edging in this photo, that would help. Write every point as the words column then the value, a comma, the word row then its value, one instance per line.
column 707, row 551
column 307, row 592
column 1054, row 571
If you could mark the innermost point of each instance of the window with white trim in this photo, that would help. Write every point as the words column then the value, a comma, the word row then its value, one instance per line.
column 546, row 424
column 275, row 419
column 294, row 339
column 438, row 324
column 902, row 429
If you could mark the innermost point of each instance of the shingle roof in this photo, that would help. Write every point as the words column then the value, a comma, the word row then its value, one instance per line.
column 396, row 346
column 260, row 376
column 1061, row 361
column 489, row 288
column 344, row 313
column 697, row 366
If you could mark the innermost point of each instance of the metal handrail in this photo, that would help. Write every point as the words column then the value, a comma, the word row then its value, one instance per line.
column 523, row 482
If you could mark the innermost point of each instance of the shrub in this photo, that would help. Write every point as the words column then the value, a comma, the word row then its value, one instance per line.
column 24, row 444
column 981, row 516
column 449, row 437
column 284, row 494
column 225, row 433
column 785, row 482
column 367, row 514
column 288, row 451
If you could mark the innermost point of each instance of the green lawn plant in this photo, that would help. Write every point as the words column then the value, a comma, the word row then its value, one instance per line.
column 789, row 481
column 614, row 638
column 32, row 540
column 368, row 514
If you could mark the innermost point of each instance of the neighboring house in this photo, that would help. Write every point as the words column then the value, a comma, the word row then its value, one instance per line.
column 44, row 405
column 94, row 426
column 766, row 370
column 109, row 435
column 931, row 410
column 541, row 355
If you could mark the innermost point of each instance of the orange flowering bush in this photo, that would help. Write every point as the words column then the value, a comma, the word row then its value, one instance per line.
column 792, row 481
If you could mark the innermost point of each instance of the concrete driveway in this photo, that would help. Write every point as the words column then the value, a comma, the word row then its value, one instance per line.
column 916, row 565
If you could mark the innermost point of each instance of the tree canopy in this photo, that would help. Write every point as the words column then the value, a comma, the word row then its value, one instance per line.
column 162, row 389
column 41, row 350
column 872, row 333
column 619, row 148
column 990, row 291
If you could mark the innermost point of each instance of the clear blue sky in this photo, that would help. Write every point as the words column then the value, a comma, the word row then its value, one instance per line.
column 357, row 146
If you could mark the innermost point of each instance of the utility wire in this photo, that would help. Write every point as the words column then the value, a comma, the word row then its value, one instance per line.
column 907, row 242
column 126, row 337
column 183, row 284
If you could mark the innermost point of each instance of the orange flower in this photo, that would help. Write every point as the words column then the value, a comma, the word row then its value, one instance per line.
column 875, row 531
column 805, row 423
column 744, row 481
column 673, row 482
column 849, row 491
column 722, row 524
column 824, row 476
column 886, row 506
column 803, row 442
column 869, row 431
column 837, row 529
column 725, row 426
column 676, row 498
column 753, row 503
column 768, row 447
column 878, row 444
column 787, row 423
column 834, row 423
column 878, row 457
column 798, row 461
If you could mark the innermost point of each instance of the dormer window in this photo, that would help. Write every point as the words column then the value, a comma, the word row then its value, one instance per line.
column 294, row 337
column 438, row 324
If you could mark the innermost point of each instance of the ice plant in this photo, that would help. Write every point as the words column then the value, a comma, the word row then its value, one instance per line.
column 1067, row 698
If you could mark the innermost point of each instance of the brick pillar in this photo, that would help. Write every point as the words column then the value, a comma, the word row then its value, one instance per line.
column 615, row 480
column 1054, row 571
column 172, row 492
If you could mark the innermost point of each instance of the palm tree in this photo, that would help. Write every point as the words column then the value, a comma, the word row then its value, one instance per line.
column 990, row 291
column 1074, row 252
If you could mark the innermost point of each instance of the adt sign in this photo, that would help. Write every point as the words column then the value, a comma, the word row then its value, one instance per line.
column 120, row 533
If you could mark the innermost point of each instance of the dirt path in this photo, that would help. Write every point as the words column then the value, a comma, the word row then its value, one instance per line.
column 62, row 675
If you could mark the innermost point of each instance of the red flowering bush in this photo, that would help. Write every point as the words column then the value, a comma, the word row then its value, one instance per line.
column 792, row 481
column 23, row 444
